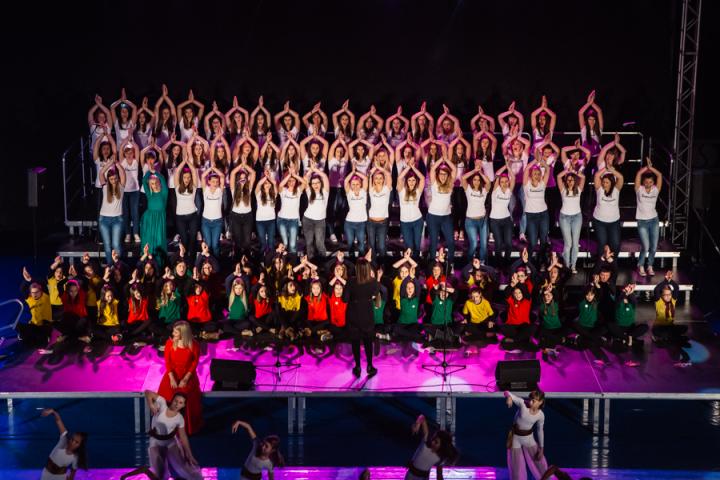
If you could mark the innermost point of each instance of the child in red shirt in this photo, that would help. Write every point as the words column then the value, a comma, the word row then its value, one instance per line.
column 138, row 320
column 199, row 314
column 338, row 309
column 517, row 329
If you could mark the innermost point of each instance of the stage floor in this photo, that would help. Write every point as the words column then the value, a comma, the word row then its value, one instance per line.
column 391, row 473
column 400, row 369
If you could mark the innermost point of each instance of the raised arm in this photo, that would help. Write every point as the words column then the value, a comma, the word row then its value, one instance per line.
column 248, row 428
column 56, row 416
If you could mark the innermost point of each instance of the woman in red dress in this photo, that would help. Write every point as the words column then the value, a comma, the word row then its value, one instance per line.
column 182, row 354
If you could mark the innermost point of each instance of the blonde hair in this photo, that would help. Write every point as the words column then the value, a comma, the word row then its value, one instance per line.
column 232, row 297
column 186, row 338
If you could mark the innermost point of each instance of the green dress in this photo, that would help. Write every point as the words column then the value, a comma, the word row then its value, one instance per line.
column 152, row 223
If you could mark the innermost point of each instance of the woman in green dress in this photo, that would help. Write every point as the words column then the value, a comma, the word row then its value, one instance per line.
column 152, row 223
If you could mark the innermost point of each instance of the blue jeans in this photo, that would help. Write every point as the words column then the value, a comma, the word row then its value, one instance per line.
column 355, row 230
column 477, row 232
column 649, row 231
column 537, row 225
column 437, row 224
column 288, row 228
column 266, row 234
column 412, row 235
column 377, row 231
column 131, row 211
column 211, row 230
column 607, row 234
column 501, row 229
column 111, row 231
column 570, row 226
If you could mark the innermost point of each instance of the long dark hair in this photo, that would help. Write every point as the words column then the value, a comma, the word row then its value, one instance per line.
column 313, row 195
column 613, row 181
column 113, row 191
column 159, row 124
column 268, row 198
column 242, row 192
column 81, row 451
column 447, row 452
column 575, row 190
column 363, row 271
column 596, row 129
column 275, row 456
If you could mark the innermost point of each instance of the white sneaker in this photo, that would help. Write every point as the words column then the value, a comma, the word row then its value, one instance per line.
column 523, row 238
column 228, row 235
column 683, row 364
column 650, row 272
column 491, row 239
column 573, row 270
column 199, row 236
column 44, row 351
column 127, row 238
column 641, row 271
column 333, row 238
column 176, row 238
column 137, row 238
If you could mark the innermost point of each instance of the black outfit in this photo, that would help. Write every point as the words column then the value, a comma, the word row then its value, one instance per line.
column 359, row 321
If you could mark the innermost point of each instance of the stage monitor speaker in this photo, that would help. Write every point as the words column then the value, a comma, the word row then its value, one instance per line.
column 517, row 374
column 232, row 374
column 34, row 176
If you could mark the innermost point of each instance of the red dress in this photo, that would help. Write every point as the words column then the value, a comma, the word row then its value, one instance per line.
column 180, row 361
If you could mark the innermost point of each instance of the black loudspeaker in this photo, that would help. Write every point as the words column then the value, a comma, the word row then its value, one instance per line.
column 35, row 185
column 517, row 374
column 704, row 183
column 232, row 374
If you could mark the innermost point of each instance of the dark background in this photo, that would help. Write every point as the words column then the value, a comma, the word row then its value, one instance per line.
column 56, row 57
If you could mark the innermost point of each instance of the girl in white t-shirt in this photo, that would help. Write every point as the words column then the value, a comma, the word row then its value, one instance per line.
column 542, row 122
column 344, row 123
column 265, row 453
column 266, row 197
column 356, row 184
column 485, row 145
column 517, row 154
column 535, row 180
column 68, row 454
column 165, row 119
column 606, row 217
column 313, row 151
column 315, row 121
column 379, row 192
column 270, row 160
column 143, row 131
column 287, row 125
column 318, row 195
column 104, row 152
column 186, row 183
column 501, row 223
column 369, row 126
column 189, row 113
column 590, row 120
column 571, row 185
column 290, row 157
column 459, row 155
column 129, row 160
column 648, row 183
column 242, row 181
column 110, row 221
column 476, row 187
column 360, row 155
column 212, row 183
column 512, row 122
column 439, row 218
column 124, row 116
column 168, row 448
column 434, row 450
column 260, row 123
column 410, row 185
column 99, row 118
column 396, row 128
column 288, row 218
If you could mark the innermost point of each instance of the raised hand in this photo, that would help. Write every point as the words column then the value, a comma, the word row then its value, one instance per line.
column 26, row 275
column 591, row 97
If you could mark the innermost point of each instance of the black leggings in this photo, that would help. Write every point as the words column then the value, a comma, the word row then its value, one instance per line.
column 241, row 227
column 367, row 343
column 550, row 337
column 73, row 326
column 635, row 330
column 408, row 332
column 187, row 227
column 590, row 338
column 519, row 333
column 34, row 335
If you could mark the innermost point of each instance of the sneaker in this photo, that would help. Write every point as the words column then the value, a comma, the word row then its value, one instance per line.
column 326, row 337
column 515, row 351
column 632, row 364
column 491, row 239
column 599, row 362
column 333, row 238
column 44, row 351
column 176, row 238
column 137, row 238
column 269, row 348
column 199, row 237
column 161, row 348
column 641, row 271
column 138, row 344
column 228, row 235
column 650, row 271
column 573, row 270
column 523, row 238
column 682, row 364
column 246, row 333
column 60, row 339
column 84, row 339
column 88, row 349
column 127, row 238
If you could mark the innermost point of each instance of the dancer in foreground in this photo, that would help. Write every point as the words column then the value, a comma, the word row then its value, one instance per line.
column 265, row 454
column 434, row 451
column 169, row 449
column 523, row 451
column 68, row 454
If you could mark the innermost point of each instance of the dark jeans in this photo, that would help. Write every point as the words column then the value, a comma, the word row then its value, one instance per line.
column 412, row 235
column 211, row 231
column 241, row 226
column 607, row 234
column 477, row 233
column 336, row 212
column 501, row 229
column 355, row 230
column 537, row 226
column 437, row 224
column 377, row 231
column 459, row 207
column 187, row 227
column 635, row 330
column 314, row 233
column 408, row 332
column 131, row 212
column 266, row 234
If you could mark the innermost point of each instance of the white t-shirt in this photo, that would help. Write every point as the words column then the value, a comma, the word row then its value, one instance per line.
column 164, row 425
column 283, row 135
column 212, row 210
column 440, row 202
column 185, row 204
column 99, row 164
column 241, row 207
column 424, row 458
column 186, row 133
column 320, row 165
column 379, row 202
column 337, row 172
column 61, row 458
column 357, row 205
column 500, row 203
column 122, row 133
column 132, row 184
column 255, row 465
column 570, row 203
column 646, row 202
column 475, row 202
column 607, row 208
column 113, row 208
column 517, row 166
column 362, row 165
column 409, row 209
column 290, row 204
column 264, row 211
column 534, row 197
column 317, row 210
